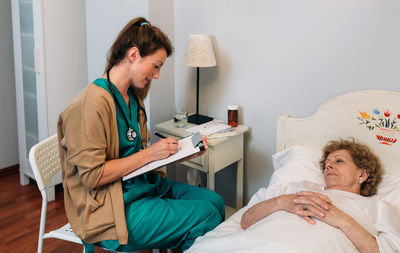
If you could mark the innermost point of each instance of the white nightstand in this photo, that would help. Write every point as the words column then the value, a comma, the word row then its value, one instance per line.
column 221, row 153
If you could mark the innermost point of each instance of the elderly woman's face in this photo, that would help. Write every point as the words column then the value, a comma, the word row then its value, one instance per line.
column 341, row 173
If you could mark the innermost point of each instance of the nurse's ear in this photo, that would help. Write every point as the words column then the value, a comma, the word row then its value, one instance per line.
column 133, row 54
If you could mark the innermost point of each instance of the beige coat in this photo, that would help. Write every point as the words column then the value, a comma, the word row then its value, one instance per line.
column 88, row 136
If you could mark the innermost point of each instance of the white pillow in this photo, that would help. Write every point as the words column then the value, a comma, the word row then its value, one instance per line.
column 298, row 163
column 389, row 190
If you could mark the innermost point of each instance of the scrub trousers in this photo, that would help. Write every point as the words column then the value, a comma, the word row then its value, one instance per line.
column 168, row 215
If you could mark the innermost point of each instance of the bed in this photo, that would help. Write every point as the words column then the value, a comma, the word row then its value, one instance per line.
column 372, row 117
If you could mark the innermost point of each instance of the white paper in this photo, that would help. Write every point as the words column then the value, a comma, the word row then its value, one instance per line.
column 185, row 149
column 208, row 128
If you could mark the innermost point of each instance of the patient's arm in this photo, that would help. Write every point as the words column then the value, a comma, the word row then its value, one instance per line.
column 361, row 238
column 317, row 203
column 307, row 204
column 259, row 211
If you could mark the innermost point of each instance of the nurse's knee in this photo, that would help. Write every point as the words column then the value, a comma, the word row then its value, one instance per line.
column 218, row 202
column 211, row 213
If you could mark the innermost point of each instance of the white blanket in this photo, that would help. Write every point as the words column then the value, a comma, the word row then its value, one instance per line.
column 287, row 232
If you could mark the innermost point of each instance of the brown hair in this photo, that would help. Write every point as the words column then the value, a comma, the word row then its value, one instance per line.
column 363, row 157
column 141, row 34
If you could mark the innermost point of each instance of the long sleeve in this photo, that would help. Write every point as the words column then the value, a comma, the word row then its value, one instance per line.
column 388, row 226
column 88, row 136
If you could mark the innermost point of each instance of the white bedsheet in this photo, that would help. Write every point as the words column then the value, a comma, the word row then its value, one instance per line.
column 286, row 232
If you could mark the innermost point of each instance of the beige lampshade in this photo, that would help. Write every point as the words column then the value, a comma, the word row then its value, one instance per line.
column 199, row 51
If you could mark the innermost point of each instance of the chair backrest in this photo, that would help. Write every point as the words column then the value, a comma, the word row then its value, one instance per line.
column 45, row 161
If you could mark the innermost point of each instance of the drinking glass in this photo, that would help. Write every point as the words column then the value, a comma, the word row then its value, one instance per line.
column 180, row 117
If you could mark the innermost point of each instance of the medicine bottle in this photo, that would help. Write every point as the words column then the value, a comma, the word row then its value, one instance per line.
column 233, row 115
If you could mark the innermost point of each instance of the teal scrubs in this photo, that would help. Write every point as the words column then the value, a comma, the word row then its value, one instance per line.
column 160, row 213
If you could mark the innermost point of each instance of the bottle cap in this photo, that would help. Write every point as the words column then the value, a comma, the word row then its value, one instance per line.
column 233, row 107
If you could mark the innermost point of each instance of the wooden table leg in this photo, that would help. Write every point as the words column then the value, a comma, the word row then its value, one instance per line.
column 239, row 184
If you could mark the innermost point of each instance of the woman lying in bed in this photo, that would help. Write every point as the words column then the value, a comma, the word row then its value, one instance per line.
column 298, row 213
column 347, row 166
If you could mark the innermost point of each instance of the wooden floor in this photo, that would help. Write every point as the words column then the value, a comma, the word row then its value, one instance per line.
column 20, row 216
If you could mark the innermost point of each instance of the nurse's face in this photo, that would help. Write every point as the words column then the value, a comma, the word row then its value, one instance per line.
column 144, row 69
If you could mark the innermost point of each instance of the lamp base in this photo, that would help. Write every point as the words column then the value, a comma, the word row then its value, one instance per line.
column 198, row 119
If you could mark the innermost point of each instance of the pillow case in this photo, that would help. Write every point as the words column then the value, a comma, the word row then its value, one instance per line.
column 296, row 164
column 389, row 190
column 299, row 163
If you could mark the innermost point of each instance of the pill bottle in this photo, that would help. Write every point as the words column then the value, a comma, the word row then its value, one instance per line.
column 233, row 115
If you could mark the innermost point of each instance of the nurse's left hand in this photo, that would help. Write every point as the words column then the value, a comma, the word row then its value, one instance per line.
column 205, row 143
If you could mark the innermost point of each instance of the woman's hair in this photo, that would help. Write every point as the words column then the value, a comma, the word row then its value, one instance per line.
column 363, row 157
column 141, row 34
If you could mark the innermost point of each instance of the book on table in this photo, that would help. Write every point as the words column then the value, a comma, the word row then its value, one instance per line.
column 186, row 147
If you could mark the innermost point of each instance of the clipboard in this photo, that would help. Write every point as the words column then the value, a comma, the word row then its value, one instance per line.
column 187, row 146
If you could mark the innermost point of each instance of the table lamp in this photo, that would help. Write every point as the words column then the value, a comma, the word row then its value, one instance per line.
column 199, row 53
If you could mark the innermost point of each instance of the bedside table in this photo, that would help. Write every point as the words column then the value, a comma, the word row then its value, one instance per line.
column 221, row 153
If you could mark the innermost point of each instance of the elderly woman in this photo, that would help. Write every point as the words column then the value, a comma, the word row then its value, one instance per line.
column 347, row 166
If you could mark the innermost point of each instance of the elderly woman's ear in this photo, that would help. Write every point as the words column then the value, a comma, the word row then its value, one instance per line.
column 364, row 176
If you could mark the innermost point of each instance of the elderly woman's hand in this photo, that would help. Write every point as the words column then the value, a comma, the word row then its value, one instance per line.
column 361, row 238
column 303, row 204
column 331, row 215
column 310, row 204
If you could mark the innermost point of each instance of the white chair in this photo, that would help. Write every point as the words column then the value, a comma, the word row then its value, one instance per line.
column 45, row 163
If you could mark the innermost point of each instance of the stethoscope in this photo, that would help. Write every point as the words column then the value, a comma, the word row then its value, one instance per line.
column 130, row 133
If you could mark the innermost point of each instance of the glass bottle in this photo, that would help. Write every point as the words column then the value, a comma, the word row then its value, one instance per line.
column 233, row 115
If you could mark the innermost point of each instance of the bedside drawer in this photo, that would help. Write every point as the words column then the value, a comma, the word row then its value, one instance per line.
column 199, row 163
column 198, row 160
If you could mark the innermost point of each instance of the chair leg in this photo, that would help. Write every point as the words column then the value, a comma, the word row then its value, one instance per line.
column 40, row 244
column 42, row 221
column 51, row 193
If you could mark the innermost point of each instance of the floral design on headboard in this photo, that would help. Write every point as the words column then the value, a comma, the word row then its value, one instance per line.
column 385, row 123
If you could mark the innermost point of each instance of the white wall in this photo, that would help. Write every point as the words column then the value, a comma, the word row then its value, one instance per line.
column 65, row 55
column 104, row 20
column 8, row 110
column 162, row 91
column 284, row 56
column 275, row 56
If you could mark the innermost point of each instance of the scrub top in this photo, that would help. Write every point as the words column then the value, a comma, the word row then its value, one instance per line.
column 145, row 185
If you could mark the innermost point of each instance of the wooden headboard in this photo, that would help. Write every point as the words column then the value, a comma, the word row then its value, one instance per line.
column 372, row 117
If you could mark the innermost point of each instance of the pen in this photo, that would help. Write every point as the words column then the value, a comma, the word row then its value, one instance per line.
column 160, row 135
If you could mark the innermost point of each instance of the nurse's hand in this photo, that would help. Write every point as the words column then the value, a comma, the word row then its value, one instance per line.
column 163, row 148
column 205, row 143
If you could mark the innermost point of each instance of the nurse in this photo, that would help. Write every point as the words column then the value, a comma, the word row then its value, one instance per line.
column 103, row 136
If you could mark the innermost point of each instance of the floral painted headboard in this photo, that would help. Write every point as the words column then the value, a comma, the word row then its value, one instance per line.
column 385, row 124
column 372, row 117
